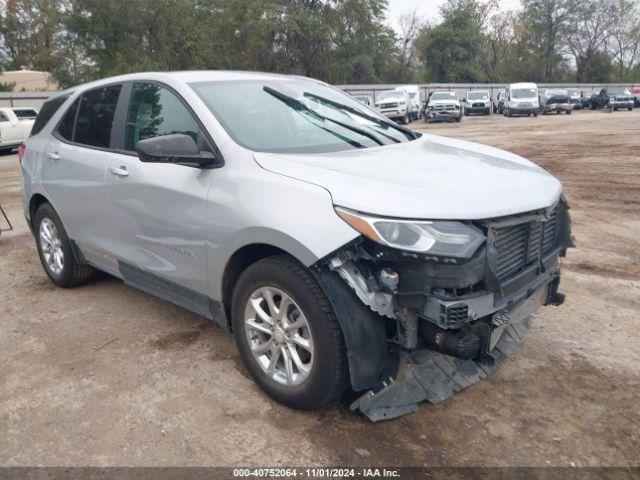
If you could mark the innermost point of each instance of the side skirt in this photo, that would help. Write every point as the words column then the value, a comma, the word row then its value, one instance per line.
column 174, row 293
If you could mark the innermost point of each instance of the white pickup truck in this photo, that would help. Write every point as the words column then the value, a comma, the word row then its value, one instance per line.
column 15, row 126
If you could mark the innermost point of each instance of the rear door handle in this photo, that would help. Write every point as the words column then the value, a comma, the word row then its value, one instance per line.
column 53, row 156
column 119, row 171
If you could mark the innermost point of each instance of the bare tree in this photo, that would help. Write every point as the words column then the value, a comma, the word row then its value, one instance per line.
column 624, row 39
column 410, row 25
column 589, row 30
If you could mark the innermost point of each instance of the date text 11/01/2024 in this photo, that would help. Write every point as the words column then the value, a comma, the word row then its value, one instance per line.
column 316, row 472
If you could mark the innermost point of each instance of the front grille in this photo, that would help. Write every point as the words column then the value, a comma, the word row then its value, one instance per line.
column 444, row 107
column 453, row 315
column 477, row 105
column 389, row 105
column 518, row 246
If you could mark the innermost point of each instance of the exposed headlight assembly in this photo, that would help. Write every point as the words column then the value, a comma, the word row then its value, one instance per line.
column 439, row 237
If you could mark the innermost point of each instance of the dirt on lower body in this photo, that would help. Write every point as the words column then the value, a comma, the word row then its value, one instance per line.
column 106, row 375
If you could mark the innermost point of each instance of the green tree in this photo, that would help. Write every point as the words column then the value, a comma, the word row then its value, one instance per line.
column 451, row 51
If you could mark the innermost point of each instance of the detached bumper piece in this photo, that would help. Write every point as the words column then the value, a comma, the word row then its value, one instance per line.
column 434, row 377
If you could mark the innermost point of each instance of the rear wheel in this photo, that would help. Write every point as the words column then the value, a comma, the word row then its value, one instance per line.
column 288, row 335
column 54, row 248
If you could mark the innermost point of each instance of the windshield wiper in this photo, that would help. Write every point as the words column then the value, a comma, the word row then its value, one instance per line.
column 298, row 105
column 407, row 132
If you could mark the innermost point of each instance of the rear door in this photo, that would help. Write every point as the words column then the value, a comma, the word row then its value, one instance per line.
column 75, row 161
column 157, row 212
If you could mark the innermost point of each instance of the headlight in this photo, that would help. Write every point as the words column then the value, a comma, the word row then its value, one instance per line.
column 439, row 237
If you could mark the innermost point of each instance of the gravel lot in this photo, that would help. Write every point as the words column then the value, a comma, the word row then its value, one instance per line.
column 106, row 375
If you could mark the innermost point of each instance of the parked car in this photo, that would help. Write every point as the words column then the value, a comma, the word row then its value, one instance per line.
column 613, row 98
column 364, row 99
column 13, row 130
column 521, row 99
column 555, row 100
column 585, row 98
column 414, row 94
column 477, row 101
column 575, row 98
column 636, row 97
column 394, row 104
column 443, row 106
column 343, row 251
column 498, row 105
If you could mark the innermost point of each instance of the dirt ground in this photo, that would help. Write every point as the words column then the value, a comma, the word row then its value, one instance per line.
column 106, row 375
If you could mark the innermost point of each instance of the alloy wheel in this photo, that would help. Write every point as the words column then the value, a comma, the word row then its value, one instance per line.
column 51, row 246
column 279, row 336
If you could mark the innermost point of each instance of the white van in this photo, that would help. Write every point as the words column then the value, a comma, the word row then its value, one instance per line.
column 522, row 99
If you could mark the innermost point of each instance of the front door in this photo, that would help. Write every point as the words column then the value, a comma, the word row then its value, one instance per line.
column 157, row 211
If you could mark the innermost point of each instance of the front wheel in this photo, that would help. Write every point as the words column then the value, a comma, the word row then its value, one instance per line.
column 288, row 335
column 54, row 249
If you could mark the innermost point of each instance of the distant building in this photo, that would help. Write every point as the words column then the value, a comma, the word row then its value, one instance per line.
column 30, row 81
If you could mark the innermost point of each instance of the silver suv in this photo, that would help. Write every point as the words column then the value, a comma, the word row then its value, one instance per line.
column 343, row 251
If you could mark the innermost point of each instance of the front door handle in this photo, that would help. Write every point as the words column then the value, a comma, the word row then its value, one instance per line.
column 53, row 156
column 119, row 171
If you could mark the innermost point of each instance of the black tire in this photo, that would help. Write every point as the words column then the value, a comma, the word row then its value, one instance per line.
column 328, row 378
column 73, row 273
column 568, row 112
column 406, row 120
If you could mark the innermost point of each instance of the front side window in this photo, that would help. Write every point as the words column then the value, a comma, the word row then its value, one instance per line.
column 154, row 111
column 3, row 117
column 289, row 115
column 95, row 116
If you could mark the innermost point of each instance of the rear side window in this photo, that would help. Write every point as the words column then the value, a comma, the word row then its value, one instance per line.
column 65, row 129
column 95, row 116
column 46, row 112
column 25, row 113
column 155, row 111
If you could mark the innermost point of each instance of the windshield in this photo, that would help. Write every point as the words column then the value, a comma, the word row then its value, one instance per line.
column 555, row 93
column 296, row 116
column 618, row 91
column 524, row 93
column 573, row 93
column 390, row 94
column 443, row 96
column 478, row 96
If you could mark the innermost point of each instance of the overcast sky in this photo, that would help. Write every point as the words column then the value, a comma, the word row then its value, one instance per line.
column 429, row 8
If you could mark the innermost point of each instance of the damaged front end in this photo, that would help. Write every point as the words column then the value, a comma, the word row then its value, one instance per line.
column 437, row 305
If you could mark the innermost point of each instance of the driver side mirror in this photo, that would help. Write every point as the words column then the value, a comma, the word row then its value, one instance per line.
column 176, row 148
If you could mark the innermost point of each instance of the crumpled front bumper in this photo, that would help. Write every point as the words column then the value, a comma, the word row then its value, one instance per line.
column 444, row 115
column 426, row 375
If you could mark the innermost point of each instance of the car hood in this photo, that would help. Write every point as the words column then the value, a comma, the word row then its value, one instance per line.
column 399, row 98
column 429, row 178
